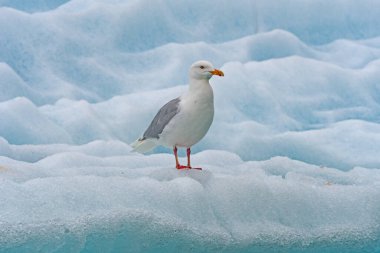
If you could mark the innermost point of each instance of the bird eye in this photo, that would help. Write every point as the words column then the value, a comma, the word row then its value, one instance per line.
column 202, row 67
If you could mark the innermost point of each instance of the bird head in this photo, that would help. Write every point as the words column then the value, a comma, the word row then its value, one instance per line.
column 203, row 70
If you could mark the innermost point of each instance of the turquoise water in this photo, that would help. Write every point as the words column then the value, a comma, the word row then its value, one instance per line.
column 132, row 242
column 145, row 235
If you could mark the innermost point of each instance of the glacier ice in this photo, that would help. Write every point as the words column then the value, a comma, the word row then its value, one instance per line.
column 291, row 160
column 69, row 197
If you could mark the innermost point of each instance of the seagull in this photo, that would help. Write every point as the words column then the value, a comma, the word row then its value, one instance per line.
column 183, row 121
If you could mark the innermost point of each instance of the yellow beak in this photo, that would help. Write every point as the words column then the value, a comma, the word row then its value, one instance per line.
column 217, row 72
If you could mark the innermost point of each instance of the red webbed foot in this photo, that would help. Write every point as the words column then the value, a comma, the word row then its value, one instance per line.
column 184, row 167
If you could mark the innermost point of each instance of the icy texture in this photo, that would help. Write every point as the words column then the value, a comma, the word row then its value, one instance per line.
column 77, row 198
column 297, row 117
column 32, row 6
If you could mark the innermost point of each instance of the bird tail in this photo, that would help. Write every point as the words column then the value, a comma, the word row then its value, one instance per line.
column 143, row 145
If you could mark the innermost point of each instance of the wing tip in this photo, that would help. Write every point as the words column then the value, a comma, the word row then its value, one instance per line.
column 143, row 145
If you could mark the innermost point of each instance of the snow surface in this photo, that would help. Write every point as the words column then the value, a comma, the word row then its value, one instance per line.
column 291, row 161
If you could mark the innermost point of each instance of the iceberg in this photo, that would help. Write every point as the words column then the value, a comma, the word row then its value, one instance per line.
column 99, row 198
column 291, row 160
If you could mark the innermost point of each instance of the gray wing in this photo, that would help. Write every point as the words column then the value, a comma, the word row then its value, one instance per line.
column 162, row 118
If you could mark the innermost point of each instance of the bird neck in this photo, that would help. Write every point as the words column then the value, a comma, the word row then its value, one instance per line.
column 201, row 85
column 200, row 90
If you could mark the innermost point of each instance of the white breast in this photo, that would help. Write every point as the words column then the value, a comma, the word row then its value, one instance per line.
column 194, row 119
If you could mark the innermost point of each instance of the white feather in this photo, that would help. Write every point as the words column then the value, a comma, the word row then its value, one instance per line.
column 143, row 146
column 194, row 116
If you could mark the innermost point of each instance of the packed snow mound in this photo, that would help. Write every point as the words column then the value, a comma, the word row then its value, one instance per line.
column 73, row 197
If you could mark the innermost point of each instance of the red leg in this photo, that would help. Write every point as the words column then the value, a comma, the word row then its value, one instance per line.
column 177, row 165
column 188, row 152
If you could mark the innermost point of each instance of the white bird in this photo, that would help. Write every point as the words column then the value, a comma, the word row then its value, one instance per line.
column 185, row 120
